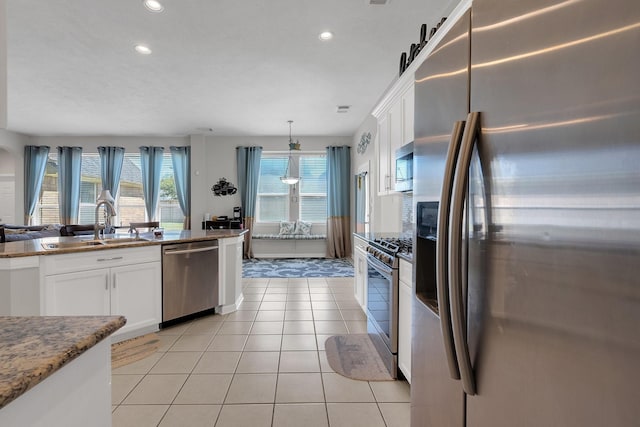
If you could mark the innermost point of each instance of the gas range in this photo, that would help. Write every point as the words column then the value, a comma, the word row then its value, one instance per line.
column 386, row 248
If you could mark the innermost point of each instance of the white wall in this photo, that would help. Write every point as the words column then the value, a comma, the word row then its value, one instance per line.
column 3, row 65
column 214, row 157
column 12, row 172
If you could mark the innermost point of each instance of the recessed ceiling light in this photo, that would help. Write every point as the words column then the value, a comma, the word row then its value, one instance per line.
column 326, row 35
column 153, row 5
column 143, row 49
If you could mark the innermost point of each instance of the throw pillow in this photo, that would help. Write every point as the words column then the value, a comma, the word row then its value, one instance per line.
column 303, row 227
column 287, row 227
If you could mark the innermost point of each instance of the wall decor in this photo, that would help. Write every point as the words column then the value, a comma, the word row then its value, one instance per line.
column 223, row 188
column 415, row 48
column 365, row 139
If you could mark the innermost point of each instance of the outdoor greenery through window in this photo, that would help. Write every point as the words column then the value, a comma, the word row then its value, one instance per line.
column 129, row 200
column 306, row 200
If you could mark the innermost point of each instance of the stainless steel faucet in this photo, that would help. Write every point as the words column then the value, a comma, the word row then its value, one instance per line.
column 105, row 199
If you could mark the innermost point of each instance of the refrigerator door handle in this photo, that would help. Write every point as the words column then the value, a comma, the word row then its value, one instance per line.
column 469, row 137
column 442, row 245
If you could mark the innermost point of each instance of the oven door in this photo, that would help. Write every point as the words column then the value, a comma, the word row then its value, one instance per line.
column 382, row 302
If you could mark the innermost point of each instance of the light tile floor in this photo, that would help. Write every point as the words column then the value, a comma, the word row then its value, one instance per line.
column 263, row 365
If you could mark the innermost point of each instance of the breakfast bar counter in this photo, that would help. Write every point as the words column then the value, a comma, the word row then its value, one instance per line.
column 47, row 245
column 43, row 359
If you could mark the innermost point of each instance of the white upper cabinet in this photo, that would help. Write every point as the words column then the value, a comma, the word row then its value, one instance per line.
column 408, row 108
column 395, row 128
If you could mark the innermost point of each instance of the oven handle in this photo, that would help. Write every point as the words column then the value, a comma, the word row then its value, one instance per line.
column 456, row 218
column 442, row 247
column 380, row 267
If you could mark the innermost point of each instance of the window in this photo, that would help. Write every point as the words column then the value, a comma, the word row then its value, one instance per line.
column 129, row 200
column 313, row 188
column 281, row 202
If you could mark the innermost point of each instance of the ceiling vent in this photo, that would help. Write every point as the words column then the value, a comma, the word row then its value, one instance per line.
column 343, row 108
column 378, row 1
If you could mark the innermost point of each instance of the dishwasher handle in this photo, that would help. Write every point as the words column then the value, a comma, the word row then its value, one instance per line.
column 190, row 251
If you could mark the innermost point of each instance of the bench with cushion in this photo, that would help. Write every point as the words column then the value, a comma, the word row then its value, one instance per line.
column 294, row 240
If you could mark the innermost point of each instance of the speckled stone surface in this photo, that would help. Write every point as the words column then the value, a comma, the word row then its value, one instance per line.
column 33, row 348
column 34, row 247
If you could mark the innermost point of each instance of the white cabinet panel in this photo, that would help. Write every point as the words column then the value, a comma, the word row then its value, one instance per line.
column 136, row 293
column 395, row 128
column 382, row 152
column 122, row 286
column 230, row 274
column 78, row 294
column 360, row 282
column 408, row 110
column 404, row 320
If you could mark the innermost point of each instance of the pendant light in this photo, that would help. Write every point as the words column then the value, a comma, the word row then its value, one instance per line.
column 286, row 178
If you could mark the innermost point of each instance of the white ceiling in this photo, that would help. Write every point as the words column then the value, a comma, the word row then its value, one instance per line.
column 241, row 67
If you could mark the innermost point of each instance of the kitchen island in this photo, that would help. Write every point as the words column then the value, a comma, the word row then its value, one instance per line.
column 56, row 371
column 118, row 275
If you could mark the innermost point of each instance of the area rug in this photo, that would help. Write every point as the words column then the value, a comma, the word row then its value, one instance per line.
column 129, row 351
column 355, row 356
column 297, row 267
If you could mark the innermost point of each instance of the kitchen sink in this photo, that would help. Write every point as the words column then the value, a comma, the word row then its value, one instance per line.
column 117, row 240
column 69, row 245
column 89, row 243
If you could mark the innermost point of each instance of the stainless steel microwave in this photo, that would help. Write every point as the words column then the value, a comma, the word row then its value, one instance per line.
column 404, row 168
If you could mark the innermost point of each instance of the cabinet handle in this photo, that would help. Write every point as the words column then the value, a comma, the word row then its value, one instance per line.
column 190, row 251
column 109, row 259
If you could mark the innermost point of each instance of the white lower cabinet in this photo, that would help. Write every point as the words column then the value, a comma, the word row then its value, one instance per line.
column 230, row 274
column 85, row 293
column 136, row 293
column 126, row 282
column 404, row 320
column 360, row 280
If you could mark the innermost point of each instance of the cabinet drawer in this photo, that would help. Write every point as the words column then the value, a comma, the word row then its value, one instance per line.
column 359, row 242
column 89, row 260
column 406, row 272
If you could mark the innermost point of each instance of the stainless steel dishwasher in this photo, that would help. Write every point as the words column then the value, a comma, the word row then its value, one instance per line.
column 189, row 279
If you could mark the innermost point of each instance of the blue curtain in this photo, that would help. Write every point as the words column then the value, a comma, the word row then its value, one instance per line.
column 111, row 160
column 338, row 208
column 181, row 159
column 248, row 159
column 35, row 163
column 69, row 165
column 151, row 163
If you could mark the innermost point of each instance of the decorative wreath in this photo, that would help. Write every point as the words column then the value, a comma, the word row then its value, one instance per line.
column 223, row 188
column 365, row 139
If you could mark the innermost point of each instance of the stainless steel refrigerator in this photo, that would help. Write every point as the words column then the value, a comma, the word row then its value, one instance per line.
column 527, row 240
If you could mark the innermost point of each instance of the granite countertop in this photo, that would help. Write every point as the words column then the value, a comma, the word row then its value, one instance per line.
column 25, row 248
column 33, row 348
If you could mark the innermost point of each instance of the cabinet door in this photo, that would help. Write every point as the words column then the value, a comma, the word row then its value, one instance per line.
column 360, row 277
column 395, row 119
column 136, row 294
column 383, row 156
column 404, row 330
column 77, row 294
column 408, row 108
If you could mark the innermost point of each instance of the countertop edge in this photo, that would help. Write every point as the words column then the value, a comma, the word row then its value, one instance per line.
column 31, row 377
column 168, row 238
